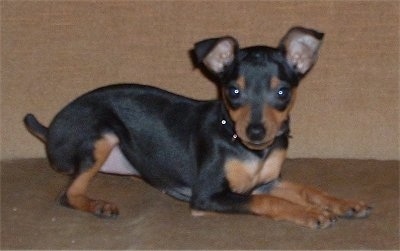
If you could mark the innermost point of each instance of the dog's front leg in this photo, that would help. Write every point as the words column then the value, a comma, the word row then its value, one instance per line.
column 304, row 195
column 282, row 209
column 264, row 205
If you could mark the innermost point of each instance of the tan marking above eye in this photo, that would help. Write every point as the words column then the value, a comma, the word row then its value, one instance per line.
column 241, row 82
column 244, row 175
column 274, row 82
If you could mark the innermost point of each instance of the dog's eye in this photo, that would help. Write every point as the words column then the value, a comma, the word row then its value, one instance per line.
column 283, row 92
column 234, row 93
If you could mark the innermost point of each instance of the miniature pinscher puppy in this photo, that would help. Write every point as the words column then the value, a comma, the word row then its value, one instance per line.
column 220, row 156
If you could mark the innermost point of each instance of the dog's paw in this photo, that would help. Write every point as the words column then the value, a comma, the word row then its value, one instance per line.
column 312, row 217
column 100, row 208
column 351, row 209
column 103, row 209
column 317, row 218
column 355, row 209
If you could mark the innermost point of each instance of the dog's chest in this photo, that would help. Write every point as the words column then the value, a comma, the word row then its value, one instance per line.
column 244, row 175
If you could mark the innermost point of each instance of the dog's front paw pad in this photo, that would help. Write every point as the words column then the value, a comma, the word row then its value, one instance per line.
column 104, row 209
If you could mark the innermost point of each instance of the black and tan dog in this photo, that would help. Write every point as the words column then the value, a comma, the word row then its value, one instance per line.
column 221, row 156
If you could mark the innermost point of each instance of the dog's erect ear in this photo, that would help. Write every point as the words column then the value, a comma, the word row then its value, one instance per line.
column 216, row 53
column 301, row 47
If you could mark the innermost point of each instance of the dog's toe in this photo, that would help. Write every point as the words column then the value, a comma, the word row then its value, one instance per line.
column 104, row 209
column 354, row 209
column 317, row 218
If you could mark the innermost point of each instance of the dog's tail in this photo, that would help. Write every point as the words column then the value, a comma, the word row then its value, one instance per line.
column 35, row 127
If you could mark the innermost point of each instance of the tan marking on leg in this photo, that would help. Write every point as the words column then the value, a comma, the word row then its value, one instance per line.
column 306, row 196
column 291, row 192
column 76, row 192
column 281, row 209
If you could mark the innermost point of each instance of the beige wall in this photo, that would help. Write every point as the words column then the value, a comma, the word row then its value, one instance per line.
column 348, row 107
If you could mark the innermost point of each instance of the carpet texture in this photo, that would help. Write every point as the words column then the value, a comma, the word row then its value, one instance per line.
column 31, row 218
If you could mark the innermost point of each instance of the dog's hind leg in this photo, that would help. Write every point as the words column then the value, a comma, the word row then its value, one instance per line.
column 76, row 197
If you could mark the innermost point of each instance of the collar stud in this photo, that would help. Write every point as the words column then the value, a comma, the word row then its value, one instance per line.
column 234, row 136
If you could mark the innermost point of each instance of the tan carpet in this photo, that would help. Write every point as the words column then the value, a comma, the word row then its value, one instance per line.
column 31, row 218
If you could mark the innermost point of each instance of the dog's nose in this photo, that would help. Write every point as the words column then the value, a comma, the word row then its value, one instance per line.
column 255, row 132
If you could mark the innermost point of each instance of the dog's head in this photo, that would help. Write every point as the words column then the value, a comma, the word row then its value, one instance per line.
column 258, row 84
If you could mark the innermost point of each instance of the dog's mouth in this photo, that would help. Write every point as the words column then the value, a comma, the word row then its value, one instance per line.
column 258, row 145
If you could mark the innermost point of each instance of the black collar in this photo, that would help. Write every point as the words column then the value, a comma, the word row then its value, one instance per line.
column 227, row 125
